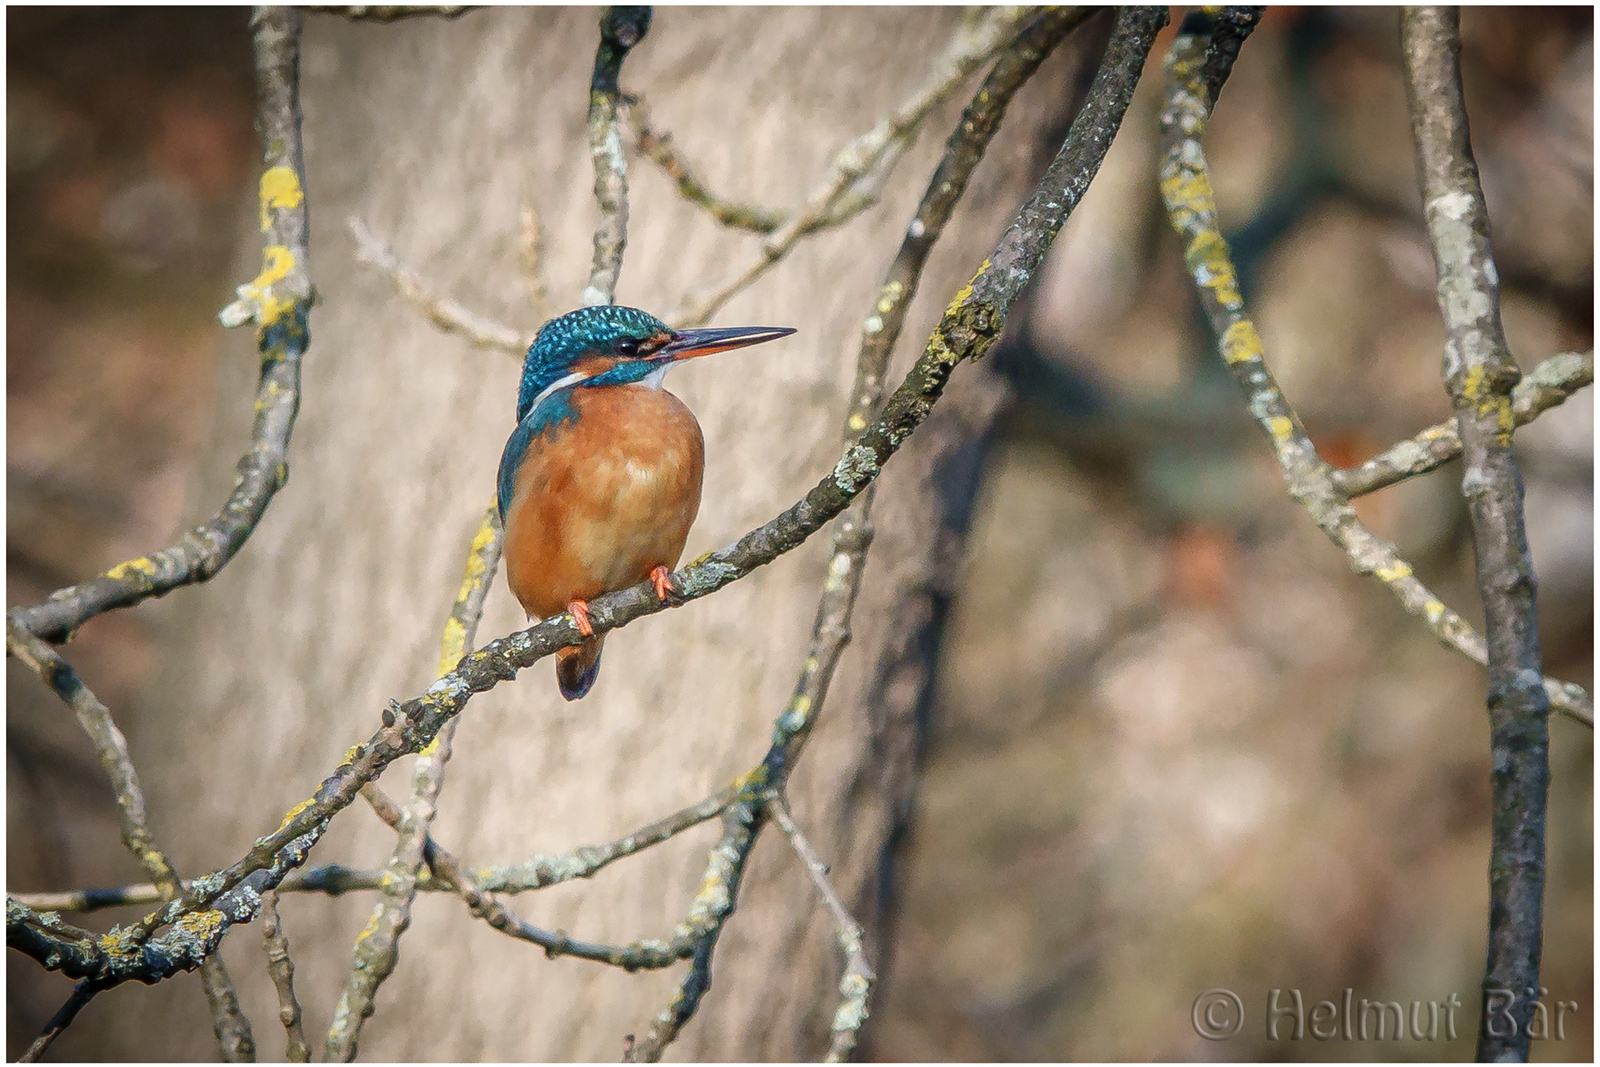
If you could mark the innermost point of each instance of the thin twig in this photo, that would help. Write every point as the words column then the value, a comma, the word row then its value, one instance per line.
column 620, row 29
column 1191, row 207
column 279, row 302
column 233, row 1029
column 658, row 148
column 82, row 993
column 280, row 967
column 969, row 327
column 1544, row 387
column 1479, row 374
column 228, row 1020
column 860, row 169
column 377, row 949
column 855, row 984
column 445, row 313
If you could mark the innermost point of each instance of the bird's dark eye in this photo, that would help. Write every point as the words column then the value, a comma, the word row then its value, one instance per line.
column 628, row 348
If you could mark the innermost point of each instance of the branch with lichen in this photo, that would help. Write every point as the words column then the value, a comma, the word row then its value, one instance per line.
column 280, row 968
column 859, row 170
column 232, row 1028
column 657, row 147
column 856, row 981
column 1191, row 207
column 278, row 301
column 442, row 311
column 1544, row 387
column 1479, row 374
column 620, row 29
column 377, row 949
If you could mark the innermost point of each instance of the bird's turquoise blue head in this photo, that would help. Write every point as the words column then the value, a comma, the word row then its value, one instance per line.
column 607, row 330
column 612, row 345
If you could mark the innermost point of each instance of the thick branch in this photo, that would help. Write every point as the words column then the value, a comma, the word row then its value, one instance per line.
column 1191, row 207
column 279, row 302
column 1479, row 373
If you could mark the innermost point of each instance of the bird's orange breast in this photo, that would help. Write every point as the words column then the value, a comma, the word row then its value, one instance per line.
column 603, row 499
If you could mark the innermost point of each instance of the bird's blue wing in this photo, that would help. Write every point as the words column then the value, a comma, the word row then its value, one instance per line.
column 551, row 412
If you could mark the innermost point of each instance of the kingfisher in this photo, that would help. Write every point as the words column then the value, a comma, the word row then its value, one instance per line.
column 600, row 480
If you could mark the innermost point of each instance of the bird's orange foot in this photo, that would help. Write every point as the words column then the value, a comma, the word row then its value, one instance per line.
column 666, row 592
column 580, row 615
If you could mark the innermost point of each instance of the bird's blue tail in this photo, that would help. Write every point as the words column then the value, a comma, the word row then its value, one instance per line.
column 578, row 667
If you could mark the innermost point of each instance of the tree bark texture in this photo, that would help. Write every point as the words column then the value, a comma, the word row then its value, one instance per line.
column 439, row 134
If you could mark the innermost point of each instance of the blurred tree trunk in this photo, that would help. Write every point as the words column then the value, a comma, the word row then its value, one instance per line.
column 440, row 134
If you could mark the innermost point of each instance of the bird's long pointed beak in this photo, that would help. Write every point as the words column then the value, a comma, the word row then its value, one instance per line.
column 687, row 344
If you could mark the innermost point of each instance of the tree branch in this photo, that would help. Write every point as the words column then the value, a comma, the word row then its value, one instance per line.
column 1191, row 207
column 620, row 29
column 861, row 167
column 279, row 302
column 280, row 967
column 1479, row 374
column 1544, row 387
column 855, row 984
column 444, row 312
column 377, row 949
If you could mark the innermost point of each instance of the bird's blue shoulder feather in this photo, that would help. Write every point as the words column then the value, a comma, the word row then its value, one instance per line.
column 552, row 411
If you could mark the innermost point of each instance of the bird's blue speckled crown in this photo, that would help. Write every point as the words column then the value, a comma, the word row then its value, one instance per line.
column 567, row 337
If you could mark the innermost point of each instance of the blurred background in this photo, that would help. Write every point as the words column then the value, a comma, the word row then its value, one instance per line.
column 1176, row 743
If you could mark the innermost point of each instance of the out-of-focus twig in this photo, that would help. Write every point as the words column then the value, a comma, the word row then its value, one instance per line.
column 232, row 1028
column 279, row 303
column 855, row 984
column 445, row 313
column 859, row 170
column 620, row 29
column 1191, row 206
column 377, row 949
column 659, row 149
column 1544, row 387
column 1479, row 374
column 280, row 967
column 81, row 994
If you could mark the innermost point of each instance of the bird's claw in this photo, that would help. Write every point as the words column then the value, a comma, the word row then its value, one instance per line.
column 666, row 592
column 580, row 615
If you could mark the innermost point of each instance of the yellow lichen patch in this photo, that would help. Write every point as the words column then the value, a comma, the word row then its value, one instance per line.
column 368, row 930
column 1472, row 384
column 1433, row 611
column 1281, row 428
column 1240, row 342
column 1393, row 572
column 858, row 422
column 800, row 705
column 304, row 804
column 278, row 261
column 965, row 291
column 201, row 924
column 1188, row 190
column 142, row 565
column 452, row 645
column 751, row 780
column 280, row 188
